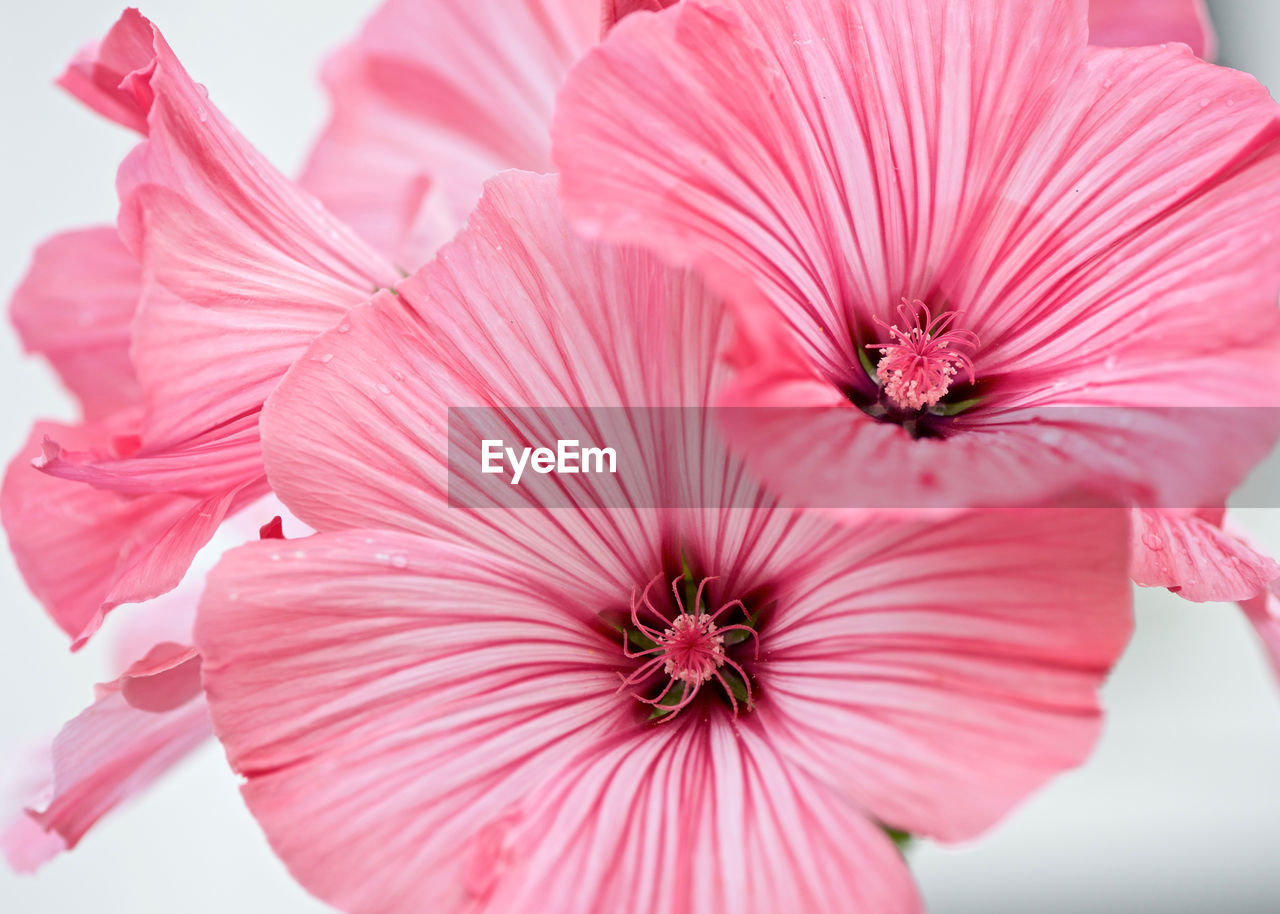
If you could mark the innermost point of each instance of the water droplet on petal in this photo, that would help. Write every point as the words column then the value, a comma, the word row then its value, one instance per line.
column 384, row 389
column 400, row 561
column 1152, row 541
column 344, row 327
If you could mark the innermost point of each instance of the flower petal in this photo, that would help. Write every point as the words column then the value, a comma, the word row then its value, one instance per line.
column 214, row 226
column 517, row 311
column 109, row 753
column 1264, row 612
column 83, row 551
column 430, row 101
column 390, row 700
column 1124, row 23
column 696, row 818
column 1196, row 558
column 75, row 307
column 939, row 673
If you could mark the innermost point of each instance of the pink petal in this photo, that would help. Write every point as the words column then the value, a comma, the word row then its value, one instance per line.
column 167, row 677
column 939, row 673
column 389, row 699
column 83, row 551
column 75, row 307
column 433, row 99
column 110, row 76
column 1080, row 208
column 109, row 753
column 26, row 846
column 1124, row 23
column 243, row 269
column 1196, row 558
column 518, row 310
column 1264, row 612
column 692, row 819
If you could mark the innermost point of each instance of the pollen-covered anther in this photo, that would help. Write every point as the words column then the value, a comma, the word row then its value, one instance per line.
column 917, row 367
column 688, row 649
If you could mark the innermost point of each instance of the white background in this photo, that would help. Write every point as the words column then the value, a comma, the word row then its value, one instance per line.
column 1178, row 812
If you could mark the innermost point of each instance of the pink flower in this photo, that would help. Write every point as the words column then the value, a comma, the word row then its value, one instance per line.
column 226, row 272
column 623, row 708
column 1125, row 23
column 1098, row 223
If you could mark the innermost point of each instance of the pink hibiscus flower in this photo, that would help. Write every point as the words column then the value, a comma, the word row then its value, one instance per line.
column 972, row 260
column 630, row 708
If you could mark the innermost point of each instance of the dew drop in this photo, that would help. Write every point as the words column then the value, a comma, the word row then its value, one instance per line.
column 344, row 327
column 1204, row 103
column 202, row 115
column 384, row 389
column 400, row 561
column 1152, row 541
column 325, row 359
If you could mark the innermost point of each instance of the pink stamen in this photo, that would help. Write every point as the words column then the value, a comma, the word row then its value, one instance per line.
column 917, row 367
column 689, row 650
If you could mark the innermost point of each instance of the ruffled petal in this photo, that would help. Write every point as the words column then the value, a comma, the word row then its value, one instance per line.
column 939, row 673
column 433, row 99
column 109, row 753
column 110, row 76
column 693, row 819
column 1125, row 23
column 1197, row 559
column 215, row 227
column 75, row 307
column 390, row 701
column 83, row 551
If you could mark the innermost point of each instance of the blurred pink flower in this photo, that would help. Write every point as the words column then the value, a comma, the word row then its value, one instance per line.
column 1099, row 221
column 442, row 710
column 431, row 100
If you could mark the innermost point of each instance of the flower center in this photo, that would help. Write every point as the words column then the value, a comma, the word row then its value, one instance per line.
column 685, row 647
column 918, row 364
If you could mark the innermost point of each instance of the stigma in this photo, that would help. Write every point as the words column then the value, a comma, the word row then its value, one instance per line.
column 918, row 365
column 687, row 646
